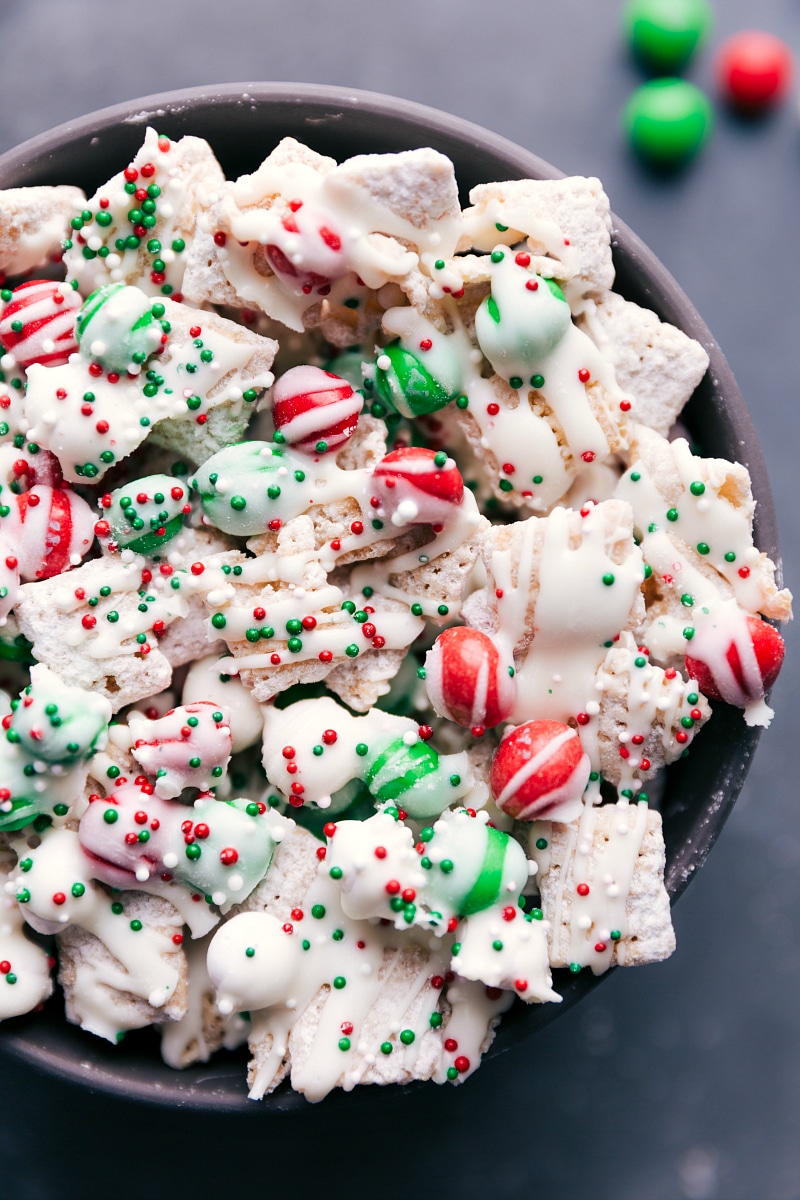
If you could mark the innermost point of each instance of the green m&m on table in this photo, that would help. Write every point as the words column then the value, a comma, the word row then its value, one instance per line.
column 667, row 121
column 664, row 34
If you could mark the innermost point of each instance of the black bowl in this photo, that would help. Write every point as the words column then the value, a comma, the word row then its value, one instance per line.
column 243, row 122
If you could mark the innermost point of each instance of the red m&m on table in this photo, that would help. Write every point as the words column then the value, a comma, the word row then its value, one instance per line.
column 755, row 70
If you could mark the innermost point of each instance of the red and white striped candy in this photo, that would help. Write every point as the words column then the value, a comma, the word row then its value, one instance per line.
column 312, row 407
column 737, row 661
column 20, row 469
column 168, row 746
column 47, row 527
column 46, row 312
column 539, row 772
column 9, row 577
column 416, row 486
column 467, row 680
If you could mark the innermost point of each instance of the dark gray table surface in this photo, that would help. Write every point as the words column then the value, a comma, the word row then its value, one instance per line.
column 680, row 1080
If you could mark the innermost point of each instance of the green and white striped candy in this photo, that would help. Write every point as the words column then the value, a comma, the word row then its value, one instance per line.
column 407, row 385
column 118, row 327
column 417, row 778
column 470, row 866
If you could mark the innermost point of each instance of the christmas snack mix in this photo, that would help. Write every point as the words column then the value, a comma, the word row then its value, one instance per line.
column 353, row 599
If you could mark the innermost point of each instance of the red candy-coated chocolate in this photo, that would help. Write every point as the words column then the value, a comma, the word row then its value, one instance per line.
column 37, row 324
column 315, row 410
column 415, row 478
column 739, row 667
column 754, row 69
column 468, row 682
column 539, row 772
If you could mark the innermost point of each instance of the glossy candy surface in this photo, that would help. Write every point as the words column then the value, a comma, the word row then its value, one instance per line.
column 754, row 70
column 664, row 34
column 667, row 121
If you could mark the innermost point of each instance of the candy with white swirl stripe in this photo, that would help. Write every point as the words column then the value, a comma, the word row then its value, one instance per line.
column 315, row 410
column 735, row 657
column 51, row 529
column 415, row 486
column 540, row 771
column 37, row 324
column 467, row 679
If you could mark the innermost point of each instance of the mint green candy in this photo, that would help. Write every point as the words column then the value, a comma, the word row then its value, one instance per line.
column 144, row 526
column 116, row 328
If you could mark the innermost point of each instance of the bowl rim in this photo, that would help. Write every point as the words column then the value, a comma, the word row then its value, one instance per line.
column 205, row 1086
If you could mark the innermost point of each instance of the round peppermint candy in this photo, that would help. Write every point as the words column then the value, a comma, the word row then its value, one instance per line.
column 37, row 324
column 315, row 410
column 52, row 529
column 539, row 772
column 737, row 662
column 415, row 486
column 467, row 680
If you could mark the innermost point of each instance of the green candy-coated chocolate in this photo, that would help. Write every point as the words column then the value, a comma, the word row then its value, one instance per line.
column 408, row 386
column 667, row 121
column 664, row 34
